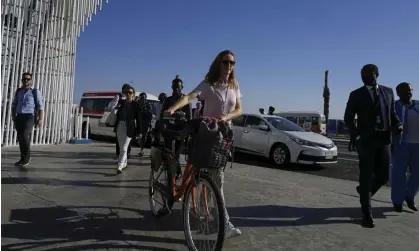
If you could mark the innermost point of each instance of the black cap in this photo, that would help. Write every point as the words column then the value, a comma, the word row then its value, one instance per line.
column 370, row 68
column 125, row 86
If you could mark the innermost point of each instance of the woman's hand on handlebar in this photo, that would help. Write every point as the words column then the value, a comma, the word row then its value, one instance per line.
column 223, row 117
column 169, row 112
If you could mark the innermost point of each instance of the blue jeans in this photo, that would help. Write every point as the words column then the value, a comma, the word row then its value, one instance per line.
column 405, row 155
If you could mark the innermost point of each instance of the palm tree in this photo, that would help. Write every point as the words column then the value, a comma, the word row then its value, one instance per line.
column 326, row 97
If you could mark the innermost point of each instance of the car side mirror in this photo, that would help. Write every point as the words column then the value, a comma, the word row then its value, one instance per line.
column 264, row 127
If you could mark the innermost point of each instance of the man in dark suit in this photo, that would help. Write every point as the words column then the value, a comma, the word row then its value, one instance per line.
column 373, row 105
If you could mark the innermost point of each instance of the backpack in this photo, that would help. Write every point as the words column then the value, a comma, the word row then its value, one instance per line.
column 213, row 142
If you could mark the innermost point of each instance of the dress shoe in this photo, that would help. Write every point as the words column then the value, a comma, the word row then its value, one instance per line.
column 398, row 208
column 368, row 221
column 411, row 205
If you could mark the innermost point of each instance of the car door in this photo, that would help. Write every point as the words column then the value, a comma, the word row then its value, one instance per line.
column 254, row 139
column 238, row 127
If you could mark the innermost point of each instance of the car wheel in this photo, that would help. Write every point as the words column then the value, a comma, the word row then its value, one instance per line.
column 280, row 155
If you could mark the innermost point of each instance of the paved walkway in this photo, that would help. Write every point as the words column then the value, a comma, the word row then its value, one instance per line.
column 71, row 199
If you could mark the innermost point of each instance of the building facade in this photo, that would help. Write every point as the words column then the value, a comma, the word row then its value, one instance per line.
column 40, row 37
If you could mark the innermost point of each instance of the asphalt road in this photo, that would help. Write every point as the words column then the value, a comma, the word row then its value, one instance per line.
column 346, row 168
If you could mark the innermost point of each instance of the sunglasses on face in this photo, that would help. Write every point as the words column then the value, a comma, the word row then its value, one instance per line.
column 228, row 62
column 142, row 97
column 26, row 79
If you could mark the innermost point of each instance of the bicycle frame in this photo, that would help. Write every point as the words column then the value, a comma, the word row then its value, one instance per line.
column 188, row 179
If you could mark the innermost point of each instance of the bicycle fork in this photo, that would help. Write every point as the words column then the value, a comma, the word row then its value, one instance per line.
column 186, row 179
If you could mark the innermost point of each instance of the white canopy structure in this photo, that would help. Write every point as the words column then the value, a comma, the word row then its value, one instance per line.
column 40, row 37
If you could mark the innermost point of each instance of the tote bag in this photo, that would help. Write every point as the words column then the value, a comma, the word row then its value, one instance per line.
column 110, row 118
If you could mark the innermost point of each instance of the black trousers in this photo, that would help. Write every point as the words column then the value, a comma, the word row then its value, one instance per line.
column 157, row 133
column 117, row 146
column 24, row 124
column 178, row 147
column 374, row 167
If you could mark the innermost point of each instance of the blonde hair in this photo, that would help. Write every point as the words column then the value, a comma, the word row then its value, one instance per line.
column 213, row 74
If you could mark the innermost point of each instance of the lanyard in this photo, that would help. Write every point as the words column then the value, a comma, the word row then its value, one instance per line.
column 223, row 101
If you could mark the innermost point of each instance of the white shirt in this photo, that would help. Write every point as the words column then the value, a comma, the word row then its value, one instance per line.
column 383, row 105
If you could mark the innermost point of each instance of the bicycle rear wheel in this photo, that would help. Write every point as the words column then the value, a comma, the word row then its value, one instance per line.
column 157, row 191
column 202, row 200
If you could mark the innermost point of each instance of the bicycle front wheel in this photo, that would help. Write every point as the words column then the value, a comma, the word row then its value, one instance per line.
column 202, row 207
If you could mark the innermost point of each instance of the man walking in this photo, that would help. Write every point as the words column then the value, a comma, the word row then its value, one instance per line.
column 146, row 115
column 177, row 86
column 406, row 151
column 27, row 111
column 114, row 103
column 157, row 126
column 374, row 106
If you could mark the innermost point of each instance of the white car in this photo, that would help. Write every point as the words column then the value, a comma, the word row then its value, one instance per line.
column 281, row 140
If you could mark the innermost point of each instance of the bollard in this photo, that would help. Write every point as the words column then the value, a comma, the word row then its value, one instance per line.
column 87, row 128
column 76, row 124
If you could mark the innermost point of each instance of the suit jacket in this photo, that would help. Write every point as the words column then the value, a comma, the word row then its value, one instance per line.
column 133, row 122
column 360, row 103
column 401, row 112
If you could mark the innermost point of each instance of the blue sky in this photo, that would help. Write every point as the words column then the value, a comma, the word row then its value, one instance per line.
column 282, row 47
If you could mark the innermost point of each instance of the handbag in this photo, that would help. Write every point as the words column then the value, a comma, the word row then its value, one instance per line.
column 112, row 118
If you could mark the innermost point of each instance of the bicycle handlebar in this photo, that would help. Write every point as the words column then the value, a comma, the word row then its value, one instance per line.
column 177, row 116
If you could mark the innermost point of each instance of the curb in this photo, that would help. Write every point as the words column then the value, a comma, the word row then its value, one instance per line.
column 80, row 141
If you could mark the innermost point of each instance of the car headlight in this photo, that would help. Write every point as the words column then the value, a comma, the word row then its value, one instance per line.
column 303, row 142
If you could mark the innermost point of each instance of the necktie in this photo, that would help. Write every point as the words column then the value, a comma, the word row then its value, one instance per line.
column 378, row 113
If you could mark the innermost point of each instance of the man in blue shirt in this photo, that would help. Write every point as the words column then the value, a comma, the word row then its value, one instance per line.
column 27, row 111
column 406, row 151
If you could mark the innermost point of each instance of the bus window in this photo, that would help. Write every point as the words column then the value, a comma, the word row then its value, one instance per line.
column 86, row 104
column 305, row 119
column 292, row 119
column 94, row 104
column 314, row 120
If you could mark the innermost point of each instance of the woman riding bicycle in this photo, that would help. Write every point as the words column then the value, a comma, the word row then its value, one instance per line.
column 221, row 93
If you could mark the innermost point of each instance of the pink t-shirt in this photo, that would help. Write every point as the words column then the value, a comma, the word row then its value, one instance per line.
column 219, row 100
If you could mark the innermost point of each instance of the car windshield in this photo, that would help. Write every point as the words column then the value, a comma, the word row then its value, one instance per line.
column 284, row 124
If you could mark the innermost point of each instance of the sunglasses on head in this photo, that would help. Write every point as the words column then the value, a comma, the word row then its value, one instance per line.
column 228, row 62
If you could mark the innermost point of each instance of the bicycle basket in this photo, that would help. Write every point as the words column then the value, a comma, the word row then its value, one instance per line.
column 212, row 146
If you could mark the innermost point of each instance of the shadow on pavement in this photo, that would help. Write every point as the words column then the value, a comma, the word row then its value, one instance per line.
column 75, row 224
column 284, row 216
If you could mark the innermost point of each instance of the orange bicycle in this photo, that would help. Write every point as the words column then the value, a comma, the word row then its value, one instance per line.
column 200, row 195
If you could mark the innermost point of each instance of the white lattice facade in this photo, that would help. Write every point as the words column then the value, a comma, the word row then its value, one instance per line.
column 40, row 36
